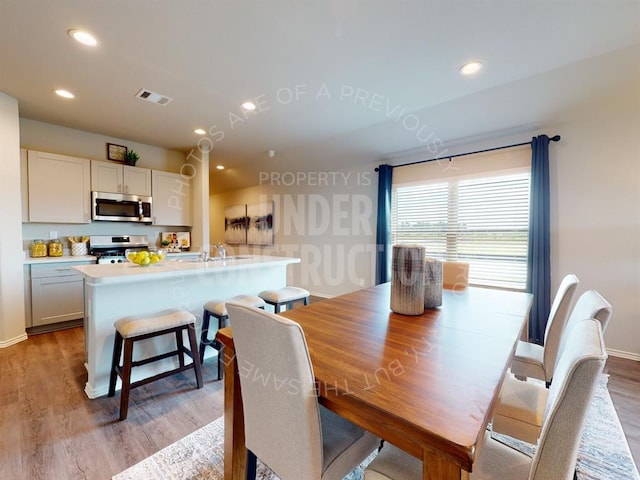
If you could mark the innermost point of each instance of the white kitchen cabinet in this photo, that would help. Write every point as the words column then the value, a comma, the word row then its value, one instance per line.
column 59, row 189
column 24, row 185
column 116, row 178
column 136, row 180
column 171, row 196
column 57, row 293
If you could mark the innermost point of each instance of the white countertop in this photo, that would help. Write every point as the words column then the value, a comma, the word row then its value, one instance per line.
column 129, row 272
column 89, row 258
column 182, row 254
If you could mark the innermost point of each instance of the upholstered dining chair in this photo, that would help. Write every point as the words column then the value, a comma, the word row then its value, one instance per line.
column 285, row 426
column 538, row 361
column 521, row 405
column 455, row 275
column 555, row 457
column 591, row 304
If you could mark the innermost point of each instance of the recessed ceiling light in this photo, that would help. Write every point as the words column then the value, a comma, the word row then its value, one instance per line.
column 220, row 167
column 470, row 68
column 63, row 93
column 200, row 131
column 249, row 105
column 83, row 37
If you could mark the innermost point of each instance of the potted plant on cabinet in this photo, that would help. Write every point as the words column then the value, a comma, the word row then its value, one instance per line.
column 131, row 158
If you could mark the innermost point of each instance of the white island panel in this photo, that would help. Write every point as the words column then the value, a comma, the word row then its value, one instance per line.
column 117, row 290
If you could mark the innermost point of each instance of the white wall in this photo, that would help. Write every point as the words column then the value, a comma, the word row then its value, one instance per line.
column 196, row 167
column 326, row 218
column 12, row 326
column 46, row 137
column 50, row 138
column 595, row 203
column 595, row 213
column 596, row 224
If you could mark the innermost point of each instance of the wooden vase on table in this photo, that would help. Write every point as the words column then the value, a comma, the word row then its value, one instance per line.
column 407, row 280
column 432, row 283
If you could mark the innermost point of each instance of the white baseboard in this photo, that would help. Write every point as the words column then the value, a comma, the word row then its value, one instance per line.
column 13, row 341
column 321, row 295
column 622, row 354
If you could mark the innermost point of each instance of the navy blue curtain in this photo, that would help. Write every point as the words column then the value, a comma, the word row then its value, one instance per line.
column 383, row 229
column 538, row 255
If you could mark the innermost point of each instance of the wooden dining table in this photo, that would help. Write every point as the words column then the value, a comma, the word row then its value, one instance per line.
column 425, row 383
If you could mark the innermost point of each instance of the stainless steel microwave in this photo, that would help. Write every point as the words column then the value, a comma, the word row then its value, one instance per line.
column 120, row 207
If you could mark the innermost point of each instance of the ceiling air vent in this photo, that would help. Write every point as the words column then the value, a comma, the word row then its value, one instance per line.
column 153, row 97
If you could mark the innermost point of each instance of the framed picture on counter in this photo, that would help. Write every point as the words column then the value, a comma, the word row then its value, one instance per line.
column 116, row 152
column 176, row 240
column 184, row 240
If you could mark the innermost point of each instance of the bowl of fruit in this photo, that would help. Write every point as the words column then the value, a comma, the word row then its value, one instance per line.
column 145, row 258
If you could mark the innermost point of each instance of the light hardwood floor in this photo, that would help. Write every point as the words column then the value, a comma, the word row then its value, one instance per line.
column 49, row 429
column 624, row 387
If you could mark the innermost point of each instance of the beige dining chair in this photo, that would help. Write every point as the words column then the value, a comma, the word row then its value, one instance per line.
column 555, row 458
column 520, row 408
column 285, row 426
column 538, row 361
column 455, row 275
column 591, row 304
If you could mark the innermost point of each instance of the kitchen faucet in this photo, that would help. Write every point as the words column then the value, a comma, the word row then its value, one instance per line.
column 222, row 251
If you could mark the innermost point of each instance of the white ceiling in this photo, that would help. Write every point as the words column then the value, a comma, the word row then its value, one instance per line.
column 337, row 81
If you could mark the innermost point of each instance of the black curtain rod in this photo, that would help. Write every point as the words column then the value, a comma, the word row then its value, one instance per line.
column 555, row 138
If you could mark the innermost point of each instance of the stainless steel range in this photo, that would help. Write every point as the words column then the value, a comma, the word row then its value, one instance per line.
column 111, row 248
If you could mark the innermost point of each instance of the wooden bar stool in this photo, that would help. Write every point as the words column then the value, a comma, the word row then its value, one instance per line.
column 218, row 309
column 285, row 296
column 133, row 329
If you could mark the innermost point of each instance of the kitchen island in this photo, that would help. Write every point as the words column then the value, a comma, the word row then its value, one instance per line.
column 113, row 291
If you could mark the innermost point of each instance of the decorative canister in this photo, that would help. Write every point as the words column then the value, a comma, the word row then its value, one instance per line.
column 55, row 248
column 38, row 249
column 432, row 283
column 407, row 279
column 79, row 248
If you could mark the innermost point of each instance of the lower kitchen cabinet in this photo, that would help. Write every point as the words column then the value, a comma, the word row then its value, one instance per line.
column 57, row 294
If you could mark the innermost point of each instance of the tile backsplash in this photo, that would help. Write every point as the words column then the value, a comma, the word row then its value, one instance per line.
column 31, row 231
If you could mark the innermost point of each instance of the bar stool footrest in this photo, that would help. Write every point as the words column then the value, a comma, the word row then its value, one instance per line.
column 159, row 376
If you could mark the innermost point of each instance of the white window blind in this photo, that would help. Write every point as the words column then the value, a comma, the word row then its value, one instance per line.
column 483, row 221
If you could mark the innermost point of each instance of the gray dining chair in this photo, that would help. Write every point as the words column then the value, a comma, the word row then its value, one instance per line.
column 520, row 408
column 538, row 361
column 285, row 426
column 569, row 398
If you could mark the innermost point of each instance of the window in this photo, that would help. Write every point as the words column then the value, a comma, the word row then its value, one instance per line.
column 483, row 221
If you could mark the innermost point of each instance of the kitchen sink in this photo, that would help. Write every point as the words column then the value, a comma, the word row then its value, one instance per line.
column 233, row 257
column 220, row 259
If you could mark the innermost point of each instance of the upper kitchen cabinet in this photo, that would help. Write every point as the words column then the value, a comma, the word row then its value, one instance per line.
column 171, row 199
column 59, row 188
column 24, row 188
column 116, row 178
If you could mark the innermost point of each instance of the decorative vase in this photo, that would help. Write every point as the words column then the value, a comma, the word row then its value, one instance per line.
column 79, row 248
column 407, row 280
column 432, row 283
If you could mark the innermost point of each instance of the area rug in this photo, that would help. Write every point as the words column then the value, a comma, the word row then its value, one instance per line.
column 604, row 453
